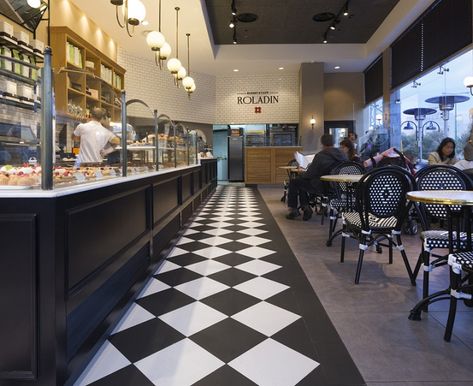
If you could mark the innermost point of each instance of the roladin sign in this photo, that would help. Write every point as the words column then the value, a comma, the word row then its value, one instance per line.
column 257, row 98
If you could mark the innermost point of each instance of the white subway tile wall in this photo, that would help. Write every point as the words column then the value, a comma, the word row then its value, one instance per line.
column 230, row 88
column 215, row 100
column 143, row 80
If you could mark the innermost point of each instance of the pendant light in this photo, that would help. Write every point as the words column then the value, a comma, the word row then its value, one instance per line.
column 34, row 3
column 174, row 64
column 188, row 82
column 156, row 40
column 133, row 13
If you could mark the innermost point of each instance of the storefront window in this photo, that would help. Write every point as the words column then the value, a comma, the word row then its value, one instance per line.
column 435, row 106
column 375, row 138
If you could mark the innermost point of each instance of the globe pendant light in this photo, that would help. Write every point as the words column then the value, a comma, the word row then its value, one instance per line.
column 34, row 3
column 165, row 51
column 181, row 74
column 188, row 81
column 174, row 64
column 133, row 13
column 156, row 40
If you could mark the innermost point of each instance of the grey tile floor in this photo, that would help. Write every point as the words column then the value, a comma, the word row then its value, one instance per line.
column 371, row 318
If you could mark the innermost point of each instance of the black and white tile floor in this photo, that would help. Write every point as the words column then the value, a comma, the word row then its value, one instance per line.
column 229, row 306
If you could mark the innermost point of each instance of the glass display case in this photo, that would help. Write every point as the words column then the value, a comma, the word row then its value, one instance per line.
column 38, row 150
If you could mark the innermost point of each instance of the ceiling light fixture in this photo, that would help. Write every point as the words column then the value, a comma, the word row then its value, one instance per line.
column 156, row 40
column 337, row 67
column 133, row 13
column 236, row 70
column 235, row 41
column 281, row 68
column 325, row 41
column 234, row 10
column 174, row 64
column 145, row 22
column 336, row 19
column 232, row 23
column 346, row 12
column 34, row 3
column 188, row 82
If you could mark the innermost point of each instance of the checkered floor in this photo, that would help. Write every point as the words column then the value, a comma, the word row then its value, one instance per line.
column 225, row 308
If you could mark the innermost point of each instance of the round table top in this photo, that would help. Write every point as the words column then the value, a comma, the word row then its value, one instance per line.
column 448, row 99
column 445, row 197
column 419, row 111
column 341, row 177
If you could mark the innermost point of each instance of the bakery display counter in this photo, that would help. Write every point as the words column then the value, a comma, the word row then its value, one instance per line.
column 73, row 258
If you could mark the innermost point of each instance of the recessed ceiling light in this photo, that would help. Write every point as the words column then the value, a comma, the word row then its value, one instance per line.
column 236, row 70
column 337, row 67
column 145, row 22
column 281, row 68
column 333, row 28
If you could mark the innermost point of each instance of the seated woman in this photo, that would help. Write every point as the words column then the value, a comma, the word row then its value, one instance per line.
column 347, row 147
column 445, row 153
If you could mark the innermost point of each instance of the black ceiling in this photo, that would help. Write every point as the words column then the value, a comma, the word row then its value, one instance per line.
column 290, row 21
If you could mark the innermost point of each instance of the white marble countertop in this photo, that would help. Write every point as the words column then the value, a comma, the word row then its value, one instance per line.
column 64, row 191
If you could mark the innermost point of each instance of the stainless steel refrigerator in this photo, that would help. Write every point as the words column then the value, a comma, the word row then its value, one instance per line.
column 235, row 158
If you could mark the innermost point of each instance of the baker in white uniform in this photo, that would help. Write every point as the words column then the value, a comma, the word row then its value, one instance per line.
column 94, row 137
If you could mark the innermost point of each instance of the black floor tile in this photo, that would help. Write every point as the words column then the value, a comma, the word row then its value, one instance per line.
column 144, row 339
column 235, row 246
column 238, row 339
column 286, row 299
column 198, row 236
column 233, row 259
column 232, row 276
column 186, row 259
column 225, row 376
column 193, row 246
column 165, row 301
column 177, row 276
column 230, row 301
column 128, row 376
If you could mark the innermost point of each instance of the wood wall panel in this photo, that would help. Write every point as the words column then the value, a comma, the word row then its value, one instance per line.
column 262, row 164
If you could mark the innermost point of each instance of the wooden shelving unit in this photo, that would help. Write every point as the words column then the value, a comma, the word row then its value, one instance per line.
column 73, row 79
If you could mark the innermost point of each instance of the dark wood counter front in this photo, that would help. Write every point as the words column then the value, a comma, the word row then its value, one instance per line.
column 70, row 264
column 262, row 164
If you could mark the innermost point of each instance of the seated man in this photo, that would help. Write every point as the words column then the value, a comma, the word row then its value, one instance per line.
column 309, row 181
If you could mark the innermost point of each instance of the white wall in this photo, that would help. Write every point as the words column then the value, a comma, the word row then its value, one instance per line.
column 144, row 80
column 285, row 111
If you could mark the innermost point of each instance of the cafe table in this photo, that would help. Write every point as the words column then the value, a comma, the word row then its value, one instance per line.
column 449, row 198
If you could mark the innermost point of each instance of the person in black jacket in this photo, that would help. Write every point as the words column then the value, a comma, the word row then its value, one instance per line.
column 309, row 181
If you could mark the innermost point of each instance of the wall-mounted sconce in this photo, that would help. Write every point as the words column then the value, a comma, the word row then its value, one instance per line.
column 468, row 82
column 312, row 122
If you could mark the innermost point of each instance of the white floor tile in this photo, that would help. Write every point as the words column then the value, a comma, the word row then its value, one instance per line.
column 266, row 318
column 255, row 252
column 220, row 224
column 195, row 224
column 181, row 364
column 190, row 232
column 208, row 267
column 212, row 252
column 107, row 360
column 166, row 267
column 272, row 364
column 134, row 315
column 261, row 288
column 252, row 231
column 251, row 224
column 249, row 218
column 218, row 232
column 192, row 318
column 201, row 288
column 220, row 218
column 253, row 240
column 258, row 267
column 199, row 218
column 153, row 286
column 184, row 240
column 216, row 240
column 177, row 252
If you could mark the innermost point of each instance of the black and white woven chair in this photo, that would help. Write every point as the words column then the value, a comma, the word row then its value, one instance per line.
column 437, row 177
column 461, row 270
column 381, row 210
column 342, row 200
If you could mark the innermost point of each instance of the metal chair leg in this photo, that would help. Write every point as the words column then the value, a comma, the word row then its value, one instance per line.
column 362, row 247
column 455, row 280
column 425, row 283
column 406, row 260
column 390, row 242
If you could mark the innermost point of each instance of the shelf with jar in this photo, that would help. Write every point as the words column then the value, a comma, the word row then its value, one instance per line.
column 84, row 77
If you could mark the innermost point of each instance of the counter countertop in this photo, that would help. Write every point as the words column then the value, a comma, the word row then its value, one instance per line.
column 64, row 191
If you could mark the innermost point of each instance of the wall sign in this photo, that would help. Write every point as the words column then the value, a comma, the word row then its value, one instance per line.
column 257, row 97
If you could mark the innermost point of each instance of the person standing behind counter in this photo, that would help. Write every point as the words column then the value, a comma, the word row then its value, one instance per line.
column 445, row 153
column 94, row 137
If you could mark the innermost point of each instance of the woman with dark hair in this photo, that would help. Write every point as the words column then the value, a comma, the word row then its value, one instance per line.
column 445, row 153
column 347, row 147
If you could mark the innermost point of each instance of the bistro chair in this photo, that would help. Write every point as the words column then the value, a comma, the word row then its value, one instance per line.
column 437, row 177
column 290, row 175
column 342, row 200
column 381, row 208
